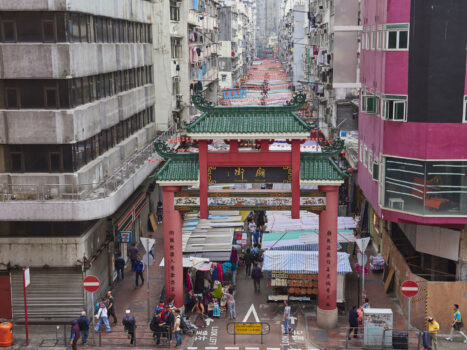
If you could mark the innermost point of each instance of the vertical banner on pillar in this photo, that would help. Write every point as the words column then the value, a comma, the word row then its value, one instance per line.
column 328, row 268
column 171, row 264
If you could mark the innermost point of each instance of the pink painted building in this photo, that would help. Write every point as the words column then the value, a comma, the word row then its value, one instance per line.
column 413, row 122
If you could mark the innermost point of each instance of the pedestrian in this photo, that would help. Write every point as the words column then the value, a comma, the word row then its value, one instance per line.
column 133, row 255
column 198, row 309
column 120, row 267
column 159, row 212
column 256, row 275
column 366, row 305
column 157, row 326
column 248, row 259
column 139, row 269
column 256, row 235
column 231, row 304
column 111, row 307
column 129, row 323
column 176, row 329
column 74, row 335
column 457, row 324
column 102, row 317
column 83, row 324
column 169, row 321
column 433, row 329
column 286, row 318
column 353, row 322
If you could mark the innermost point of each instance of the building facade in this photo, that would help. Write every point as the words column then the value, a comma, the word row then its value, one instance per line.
column 78, row 110
column 412, row 164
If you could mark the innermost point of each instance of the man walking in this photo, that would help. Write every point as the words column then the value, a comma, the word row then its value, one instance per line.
column 157, row 326
column 102, row 317
column 256, row 276
column 129, row 323
column 286, row 318
column 83, row 324
column 248, row 259
column 457, row 324
column 120, row 267
column 176, row 330
column 139, row 269
column 111, row 307
column 433, row 329
column 133, row 255
column 353, row 322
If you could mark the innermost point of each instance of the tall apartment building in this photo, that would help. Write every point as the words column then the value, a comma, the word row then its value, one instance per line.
column 268, row 15
column 203, row 48
column 77, row 110
column 412, row 165
column 236, row 32
column 331, row 64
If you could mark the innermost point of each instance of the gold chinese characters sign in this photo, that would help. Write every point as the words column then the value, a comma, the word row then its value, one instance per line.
column 217, row 175
column 248, row 328
column 264, row 200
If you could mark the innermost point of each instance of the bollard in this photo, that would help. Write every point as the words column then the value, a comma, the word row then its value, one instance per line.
column 100, row 340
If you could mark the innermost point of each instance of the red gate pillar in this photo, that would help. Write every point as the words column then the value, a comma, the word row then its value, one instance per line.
column 173, row 254
column 295, row 179
column 327, row 269
column 203, row 179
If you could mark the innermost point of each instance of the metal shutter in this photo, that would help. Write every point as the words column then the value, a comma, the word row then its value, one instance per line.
column 54, row 294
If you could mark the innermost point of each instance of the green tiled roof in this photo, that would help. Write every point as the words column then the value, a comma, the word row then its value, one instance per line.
column 249, row 120
column 313, row 167
column 179, row 168
column 318, row 167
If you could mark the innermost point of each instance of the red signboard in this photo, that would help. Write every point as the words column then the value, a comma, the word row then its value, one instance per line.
column 91, row 284
column 409, row 289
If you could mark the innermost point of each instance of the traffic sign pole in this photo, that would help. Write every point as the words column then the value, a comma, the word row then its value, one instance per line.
column 409, row 289
column 92, row 284
column 408, row 314
column 92, row 316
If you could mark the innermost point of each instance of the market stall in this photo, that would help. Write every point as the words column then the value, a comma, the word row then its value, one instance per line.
column 294, row 274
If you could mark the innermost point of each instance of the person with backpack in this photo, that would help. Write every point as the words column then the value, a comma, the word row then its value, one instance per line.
column 139, row 269
column 169, row 321
column 74, row 335
column 102, row 317
column 129, row 323
column 457, row 324
column 353, row 322
column 248, row 259
column 83, row 324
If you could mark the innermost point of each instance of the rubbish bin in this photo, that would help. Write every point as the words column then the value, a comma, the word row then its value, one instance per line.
column 6, row 334
column 400, row 340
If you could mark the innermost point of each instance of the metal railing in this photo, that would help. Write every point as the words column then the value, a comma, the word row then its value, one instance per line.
column 76, row 192
column 381, row 338
column 144, row 337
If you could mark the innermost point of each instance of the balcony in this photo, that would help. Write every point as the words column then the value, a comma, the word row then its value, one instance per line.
column 194, row 18
column 76, row 200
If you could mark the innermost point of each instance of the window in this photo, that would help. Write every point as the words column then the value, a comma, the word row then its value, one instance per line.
column 397, row 40
column 370, row 162
column 176, row 48
column 55, row 160
column 74, row 26
column 224, row 77
column 9, row 31
column 364, row 156
column 465, row 109
column 394, row 108
column 16, row 161
column 12, row 97
column 379, row 40
column 367, row 40
column 175, row 86
column 48, row 31
column 174, row 11
column 51, row 97
column 370, row 104
column 375, row 169
column 372, row 39
column 360, row 154
column 76, row 92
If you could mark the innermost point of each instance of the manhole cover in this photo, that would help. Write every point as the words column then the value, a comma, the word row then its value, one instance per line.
column 48, row 343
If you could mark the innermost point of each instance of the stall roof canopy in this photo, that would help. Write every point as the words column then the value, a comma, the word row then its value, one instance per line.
column 300, row 262
column 313, row 168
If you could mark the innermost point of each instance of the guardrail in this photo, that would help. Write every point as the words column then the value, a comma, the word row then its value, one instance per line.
column 76, row 192
column 381, row 338
column 246, row 328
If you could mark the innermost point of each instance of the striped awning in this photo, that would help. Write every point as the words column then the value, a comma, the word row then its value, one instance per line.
column 302, row 247
column 300, row 262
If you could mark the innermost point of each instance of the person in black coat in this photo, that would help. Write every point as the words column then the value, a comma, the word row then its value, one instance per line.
column 129, row 323
column 120, row 267
column 353, row 322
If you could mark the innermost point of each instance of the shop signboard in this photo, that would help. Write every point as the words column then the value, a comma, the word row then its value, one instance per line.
column 233, row 94
column 309, row 200
column 125, row 236
column 219, row 175
column 247, row 328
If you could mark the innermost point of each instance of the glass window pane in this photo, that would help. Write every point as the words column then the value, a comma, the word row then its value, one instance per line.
column 399, row 110
column 75, row 27
column 55, row 162
column 86, row 96
column 9, row 31
column 392, row 40
column 12, row 100
column 83, row 28
column 16, row 162
column 403, row 39
column 51, row 97
column 48, row 31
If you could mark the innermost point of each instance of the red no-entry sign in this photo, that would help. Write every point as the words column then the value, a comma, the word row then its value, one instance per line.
column 409, row 289
column 91, row 284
